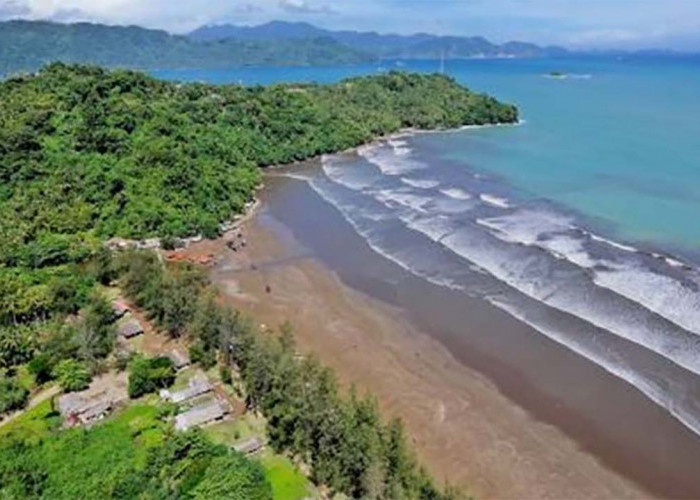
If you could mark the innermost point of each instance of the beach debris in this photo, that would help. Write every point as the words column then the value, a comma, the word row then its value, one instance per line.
column 268, row 289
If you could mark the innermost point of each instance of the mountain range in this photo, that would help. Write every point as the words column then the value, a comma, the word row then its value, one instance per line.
column 417, row 46
column 29, row 45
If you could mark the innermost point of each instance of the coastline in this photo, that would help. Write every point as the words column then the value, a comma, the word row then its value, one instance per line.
column 465, row 430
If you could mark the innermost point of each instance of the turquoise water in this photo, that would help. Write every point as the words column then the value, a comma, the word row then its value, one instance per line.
column 617, row 142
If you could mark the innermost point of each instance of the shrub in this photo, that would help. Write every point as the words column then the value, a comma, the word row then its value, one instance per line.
column 205, row 357
column 12, row 395
column 147, row 375
column 42, row 367
column 72, row 375
column 225, row 373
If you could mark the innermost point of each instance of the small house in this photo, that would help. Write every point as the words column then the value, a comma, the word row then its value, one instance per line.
column 119, row 309
column 180, row 359
column 130, row 329
column 249, row 446
column 198, row 386
column 201, row 415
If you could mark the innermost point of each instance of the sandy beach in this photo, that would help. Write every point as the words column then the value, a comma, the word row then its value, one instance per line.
column 465, row 431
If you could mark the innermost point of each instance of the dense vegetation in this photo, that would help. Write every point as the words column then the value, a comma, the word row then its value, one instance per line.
column 131, row 456
column 87, row 154
column 344, row 440
column 416, row 46
column 29, row 45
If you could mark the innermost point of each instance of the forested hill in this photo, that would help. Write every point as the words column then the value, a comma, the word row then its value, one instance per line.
column 391, row 46
column 87, row 154
column 29, row 45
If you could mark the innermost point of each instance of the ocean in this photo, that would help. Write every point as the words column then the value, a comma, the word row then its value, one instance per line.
column 581, row 222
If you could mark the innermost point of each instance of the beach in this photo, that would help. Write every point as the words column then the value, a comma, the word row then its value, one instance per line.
column 466, row 430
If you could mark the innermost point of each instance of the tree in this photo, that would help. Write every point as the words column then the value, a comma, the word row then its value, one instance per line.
column 72, row 375
column 12, row 395
column 235, row 478
column 148, row 375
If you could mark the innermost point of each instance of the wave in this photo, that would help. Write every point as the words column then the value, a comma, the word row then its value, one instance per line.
column 420, row 183
column 544, row 255
column 456, row 193
column 494, row 201
column 384, row 157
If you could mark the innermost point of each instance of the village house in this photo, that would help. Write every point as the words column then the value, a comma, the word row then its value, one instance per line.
column 201, row 415
column 198, row 386
column 129, row 329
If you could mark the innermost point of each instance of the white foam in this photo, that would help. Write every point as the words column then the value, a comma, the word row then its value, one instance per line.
column 420, row 183
column 456, row 193
column 409, row 200
column 612, row 243
column 494, row 201
column 673, row 401
column 386, row 159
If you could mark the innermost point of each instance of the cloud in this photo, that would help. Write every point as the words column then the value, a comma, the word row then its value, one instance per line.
column 304, row 7
column 13, row 9
column 627, row 23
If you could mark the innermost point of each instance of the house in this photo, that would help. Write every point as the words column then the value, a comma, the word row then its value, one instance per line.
column 179, row 359
column 119, row 309
column 200, row 415
column 83, row 410
column 197, row 387
column 249, row 446
column 130, row 329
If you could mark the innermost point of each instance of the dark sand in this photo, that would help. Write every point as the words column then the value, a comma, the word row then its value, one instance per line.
column 491, row 403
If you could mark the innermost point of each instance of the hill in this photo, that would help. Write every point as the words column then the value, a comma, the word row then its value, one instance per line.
column 417, row 46
column 29, row 45
column 87, row 154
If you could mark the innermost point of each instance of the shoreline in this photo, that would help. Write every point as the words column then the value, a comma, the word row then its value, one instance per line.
column 466, row 431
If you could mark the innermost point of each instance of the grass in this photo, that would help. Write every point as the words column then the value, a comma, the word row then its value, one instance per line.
column 33, row 425
column 236, row 430
column 286, row 480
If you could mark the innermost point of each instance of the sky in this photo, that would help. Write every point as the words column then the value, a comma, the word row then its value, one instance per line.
column 627, row 24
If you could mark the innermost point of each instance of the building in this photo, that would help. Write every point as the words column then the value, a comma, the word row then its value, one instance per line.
column 201, row 415
column 129, row 329
column 179, row 359
column 119, row 309
column 198, row 386
column 249, row 446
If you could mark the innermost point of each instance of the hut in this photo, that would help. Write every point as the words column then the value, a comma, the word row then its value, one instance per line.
column 119, row 309
column 198, row 386
column 249, row 446
column 201, row 415
column 179, row 359
column 130, row 329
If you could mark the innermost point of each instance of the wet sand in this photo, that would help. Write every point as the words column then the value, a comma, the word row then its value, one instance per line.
column 466, row 430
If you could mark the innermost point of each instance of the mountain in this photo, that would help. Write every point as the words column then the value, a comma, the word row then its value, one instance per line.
column 29, row 45
column 417, row 46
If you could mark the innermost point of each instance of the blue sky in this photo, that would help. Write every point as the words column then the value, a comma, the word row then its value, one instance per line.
column 575, row 23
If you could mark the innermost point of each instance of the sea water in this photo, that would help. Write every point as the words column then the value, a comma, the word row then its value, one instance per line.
column 581, row 221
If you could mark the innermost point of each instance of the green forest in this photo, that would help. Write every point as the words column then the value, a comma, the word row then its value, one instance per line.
column 29, row 45
column 88, row 154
